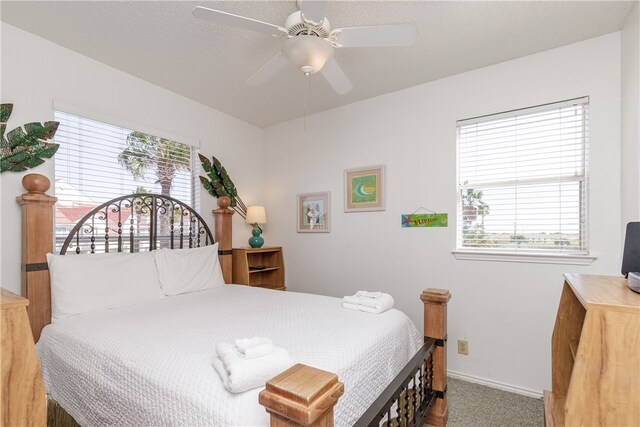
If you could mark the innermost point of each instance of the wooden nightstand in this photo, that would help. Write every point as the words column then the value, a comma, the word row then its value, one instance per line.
column 246, row 271
column 23, row 399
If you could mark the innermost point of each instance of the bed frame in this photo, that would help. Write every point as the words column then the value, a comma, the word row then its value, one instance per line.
column 299, row 396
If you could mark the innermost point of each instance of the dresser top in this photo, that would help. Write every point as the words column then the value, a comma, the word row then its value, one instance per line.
column 10, row 300
column 604, row 292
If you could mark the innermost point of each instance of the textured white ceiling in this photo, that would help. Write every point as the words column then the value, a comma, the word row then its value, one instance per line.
column 160, row 41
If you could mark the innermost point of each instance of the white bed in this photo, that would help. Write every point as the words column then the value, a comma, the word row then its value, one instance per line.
column 151, row 363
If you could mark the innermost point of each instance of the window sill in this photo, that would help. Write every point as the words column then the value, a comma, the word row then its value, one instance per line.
column 535, row 258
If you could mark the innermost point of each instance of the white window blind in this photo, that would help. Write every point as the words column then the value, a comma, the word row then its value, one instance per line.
column 522, row 180
column 97, row 162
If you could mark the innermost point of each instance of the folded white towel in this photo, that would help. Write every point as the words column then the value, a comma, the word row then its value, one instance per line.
column 385, row 300
column 240, row 374
column 368, row 294
column 367, row 304
column 255, row 347
column 364, row 308
column 351, row 299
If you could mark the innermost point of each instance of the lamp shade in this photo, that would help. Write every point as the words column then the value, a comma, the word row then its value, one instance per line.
column 307, row 53
column 256, row 215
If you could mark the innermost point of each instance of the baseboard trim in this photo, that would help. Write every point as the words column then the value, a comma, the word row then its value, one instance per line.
column 495, row 384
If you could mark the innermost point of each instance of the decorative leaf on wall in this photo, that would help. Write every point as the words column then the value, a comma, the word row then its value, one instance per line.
column 25, row 147
column 218, row 184
column 5, row 112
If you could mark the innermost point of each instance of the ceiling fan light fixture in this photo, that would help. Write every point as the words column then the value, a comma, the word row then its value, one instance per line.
column 307, row 53
column 306, row 69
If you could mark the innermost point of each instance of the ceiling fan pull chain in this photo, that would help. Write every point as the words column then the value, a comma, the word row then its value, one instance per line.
column 307, row 93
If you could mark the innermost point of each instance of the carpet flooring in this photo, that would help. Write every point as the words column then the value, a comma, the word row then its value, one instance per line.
column 475, row 405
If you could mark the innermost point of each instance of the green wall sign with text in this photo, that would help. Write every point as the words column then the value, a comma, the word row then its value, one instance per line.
column 425, row 220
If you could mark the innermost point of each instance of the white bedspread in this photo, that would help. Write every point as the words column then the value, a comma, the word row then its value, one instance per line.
column 151, row 364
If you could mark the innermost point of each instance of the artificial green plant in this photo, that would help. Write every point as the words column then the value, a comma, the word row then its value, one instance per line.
column 26, row 146
column 219, row 184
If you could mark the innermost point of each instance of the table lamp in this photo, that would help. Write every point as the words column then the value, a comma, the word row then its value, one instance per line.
column 256, row 215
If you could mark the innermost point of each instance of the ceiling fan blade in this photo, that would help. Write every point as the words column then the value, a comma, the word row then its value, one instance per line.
column 377, row 35
column 332, row 71
column 313, row 10
column 225, row 18
column 274, row 65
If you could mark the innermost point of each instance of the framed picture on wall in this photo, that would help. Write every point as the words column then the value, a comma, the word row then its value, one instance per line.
column 364, row 189
column 314, row 212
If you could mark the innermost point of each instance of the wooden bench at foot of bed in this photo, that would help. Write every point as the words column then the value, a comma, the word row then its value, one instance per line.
column 299, row 396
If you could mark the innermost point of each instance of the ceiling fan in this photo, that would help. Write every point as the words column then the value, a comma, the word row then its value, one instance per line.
column 310, row 40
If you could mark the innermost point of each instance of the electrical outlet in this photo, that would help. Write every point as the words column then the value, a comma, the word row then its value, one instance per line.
column 463, row 347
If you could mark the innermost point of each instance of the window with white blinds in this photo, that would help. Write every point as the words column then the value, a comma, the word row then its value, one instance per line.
column 97, row 162
column 522, row 180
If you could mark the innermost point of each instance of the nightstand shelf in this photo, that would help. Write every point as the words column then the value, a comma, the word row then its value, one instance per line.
column 262, row 270
column 271, row 276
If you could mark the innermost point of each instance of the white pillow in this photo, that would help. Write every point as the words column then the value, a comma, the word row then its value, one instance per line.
column 189, row 270
column 92, row 282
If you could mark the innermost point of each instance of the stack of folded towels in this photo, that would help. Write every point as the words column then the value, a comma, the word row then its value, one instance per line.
column 249, row 363
column 369, row 302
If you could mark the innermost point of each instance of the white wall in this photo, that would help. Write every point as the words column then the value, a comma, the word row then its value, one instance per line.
column 36, row 71
column 630, row 96
column 505, row 310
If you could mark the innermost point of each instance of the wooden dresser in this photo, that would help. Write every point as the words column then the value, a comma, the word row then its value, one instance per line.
column 270, row 262
column 595, row 354
column 22, row 397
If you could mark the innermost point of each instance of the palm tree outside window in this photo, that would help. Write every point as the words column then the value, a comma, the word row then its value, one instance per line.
column 145, row 154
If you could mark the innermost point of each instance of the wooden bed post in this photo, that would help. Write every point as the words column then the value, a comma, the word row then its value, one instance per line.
column 37, row 241
column 435, row 326
column 223, row 218
column 302, row 396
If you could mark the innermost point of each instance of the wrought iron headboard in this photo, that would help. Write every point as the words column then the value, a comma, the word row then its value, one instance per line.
column 138, row 222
